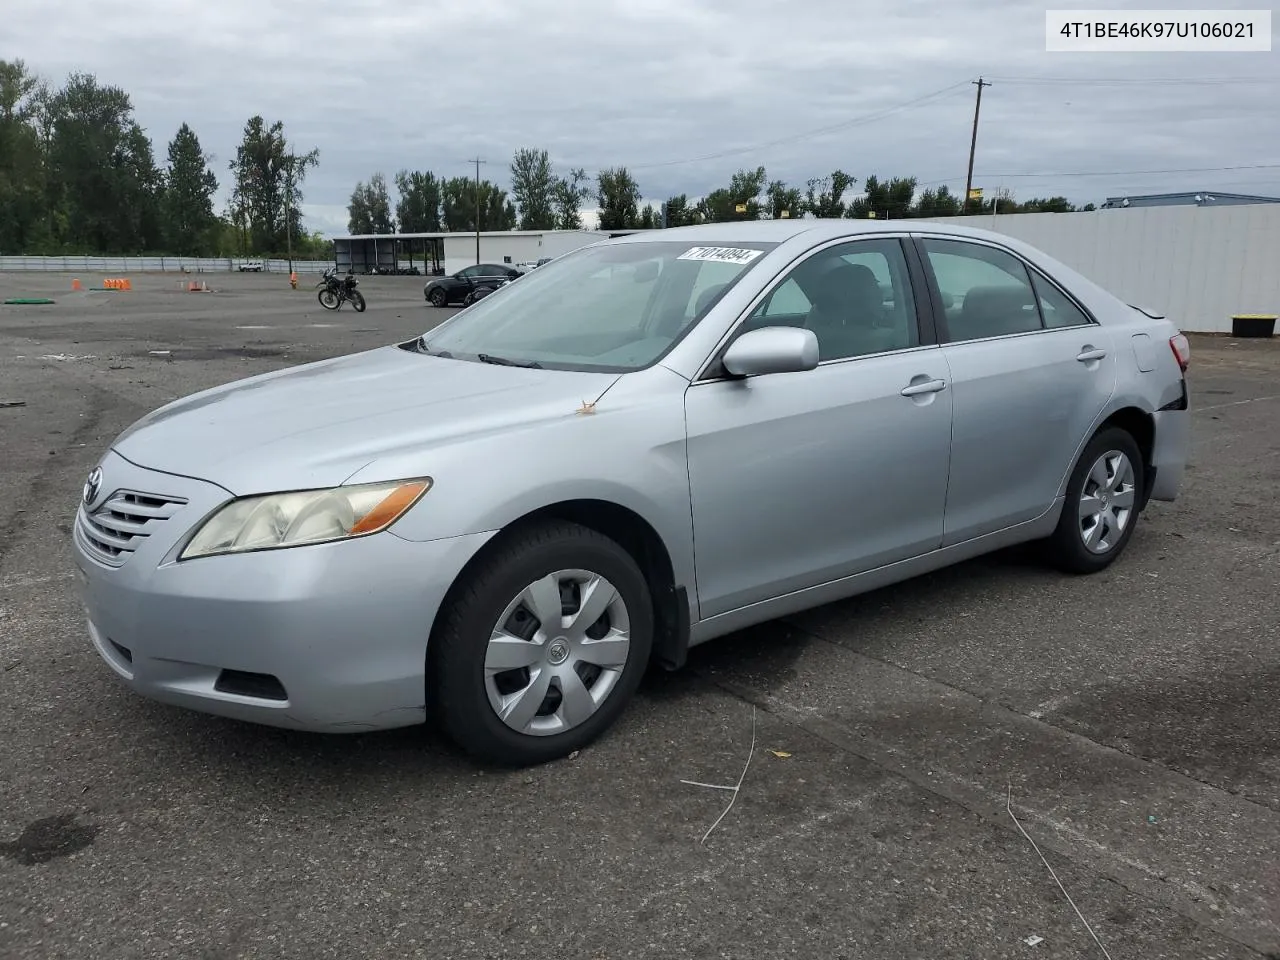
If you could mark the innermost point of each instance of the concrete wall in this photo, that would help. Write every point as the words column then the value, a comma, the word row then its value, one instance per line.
column 1197, row 265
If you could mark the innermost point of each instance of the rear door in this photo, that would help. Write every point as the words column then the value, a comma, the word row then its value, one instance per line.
column 1031, row 372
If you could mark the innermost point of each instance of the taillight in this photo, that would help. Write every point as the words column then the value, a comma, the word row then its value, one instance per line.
column 1181, row 351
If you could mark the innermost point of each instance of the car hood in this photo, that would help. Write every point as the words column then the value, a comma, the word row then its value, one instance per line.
column 317, row 424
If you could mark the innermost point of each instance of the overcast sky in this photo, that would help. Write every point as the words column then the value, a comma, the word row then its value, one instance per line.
column 657, row 85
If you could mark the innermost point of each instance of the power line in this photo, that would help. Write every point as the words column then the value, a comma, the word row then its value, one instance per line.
column 818, row 131
column 1104, row 173
column 1138, row 81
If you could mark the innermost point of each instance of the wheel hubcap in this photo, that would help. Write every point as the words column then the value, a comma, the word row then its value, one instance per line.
column 1106, row 502
column 556, row 652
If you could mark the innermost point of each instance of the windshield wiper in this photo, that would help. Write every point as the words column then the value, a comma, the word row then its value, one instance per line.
column 423, row 348
column 504, row 362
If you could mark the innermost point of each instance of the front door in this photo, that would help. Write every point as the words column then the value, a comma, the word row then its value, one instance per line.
column 798, row 479
column 1031, row 373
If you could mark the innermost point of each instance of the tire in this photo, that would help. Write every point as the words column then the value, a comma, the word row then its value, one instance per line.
column 1081, row 544
column 438, row 297
column 504, row 586
column 357, row 301
column 469, row 299
column 328, row 299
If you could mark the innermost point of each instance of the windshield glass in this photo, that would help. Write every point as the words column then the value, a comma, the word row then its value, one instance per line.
column 612, row 307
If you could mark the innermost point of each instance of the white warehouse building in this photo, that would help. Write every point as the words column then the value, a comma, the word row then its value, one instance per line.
column 447, row 253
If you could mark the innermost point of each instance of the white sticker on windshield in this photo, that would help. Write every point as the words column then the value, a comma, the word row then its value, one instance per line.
column 720, row 254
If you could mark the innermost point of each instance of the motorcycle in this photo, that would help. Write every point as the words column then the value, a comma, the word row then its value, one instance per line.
column 334, row 291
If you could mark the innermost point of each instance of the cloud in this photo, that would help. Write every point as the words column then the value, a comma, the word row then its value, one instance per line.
column 379, row 85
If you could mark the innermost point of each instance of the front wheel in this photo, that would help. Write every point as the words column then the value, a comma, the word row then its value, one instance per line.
column 1102, row 504
column 437, row 297
column 328, row 299
column 538, row 652
column 357, row 300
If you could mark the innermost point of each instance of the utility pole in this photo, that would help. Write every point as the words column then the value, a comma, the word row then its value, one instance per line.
column 973, row 144
column 288, row 209
column 477, row 161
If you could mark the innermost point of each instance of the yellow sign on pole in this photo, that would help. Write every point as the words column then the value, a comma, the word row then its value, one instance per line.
column 871, row 215
column 785, row 214
column 975, row 193
column 741, row 208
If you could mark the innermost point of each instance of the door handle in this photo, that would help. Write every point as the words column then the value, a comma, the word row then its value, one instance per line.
column 929, row 386
column 1090, row 354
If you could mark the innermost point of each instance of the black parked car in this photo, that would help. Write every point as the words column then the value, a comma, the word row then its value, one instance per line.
column 461, row 287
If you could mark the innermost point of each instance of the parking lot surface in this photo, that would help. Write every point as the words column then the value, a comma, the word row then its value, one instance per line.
column 899, row 744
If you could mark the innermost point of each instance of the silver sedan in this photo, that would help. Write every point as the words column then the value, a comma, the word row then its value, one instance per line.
column 641, row 446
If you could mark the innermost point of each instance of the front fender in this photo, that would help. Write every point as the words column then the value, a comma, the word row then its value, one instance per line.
column 629, row 450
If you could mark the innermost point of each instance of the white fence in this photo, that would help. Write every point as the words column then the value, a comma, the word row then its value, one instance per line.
column 1197, row 265
column 111, row 266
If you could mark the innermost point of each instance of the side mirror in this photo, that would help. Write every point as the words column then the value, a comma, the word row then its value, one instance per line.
column 772, row 350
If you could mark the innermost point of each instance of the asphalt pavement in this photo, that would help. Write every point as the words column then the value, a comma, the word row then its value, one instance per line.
column 903, row 760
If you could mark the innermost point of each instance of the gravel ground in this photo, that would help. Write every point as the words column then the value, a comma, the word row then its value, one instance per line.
column 1130, row 716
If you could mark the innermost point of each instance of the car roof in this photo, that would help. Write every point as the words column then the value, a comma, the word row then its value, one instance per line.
column 817, row 230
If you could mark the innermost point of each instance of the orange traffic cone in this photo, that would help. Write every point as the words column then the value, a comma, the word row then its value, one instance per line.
column 75, row 285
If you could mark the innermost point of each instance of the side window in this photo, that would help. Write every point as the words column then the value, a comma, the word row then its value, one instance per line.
column 787, row 300
column 469, row 273
column 855, row 296
column 985, row 292
column 1056, row 308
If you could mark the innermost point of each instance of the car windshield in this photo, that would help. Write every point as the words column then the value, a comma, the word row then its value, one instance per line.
column 609, row 307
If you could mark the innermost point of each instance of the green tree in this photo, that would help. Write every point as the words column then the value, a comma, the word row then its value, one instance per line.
column 739, row 201
column 533, row 186
column 679, row 212
column 458, row 206
column 369, row 210
column 825, row 195
column 937, row 203
column 24, row 222
column 619, row 199
column 650, row 219
column 568, row 194
column 1047, row 205
column 418, row 210
column 188, row 196
column 104, row 187
column 267, row 177
column 1089, row 207
column 784, row 202
column 890, row 200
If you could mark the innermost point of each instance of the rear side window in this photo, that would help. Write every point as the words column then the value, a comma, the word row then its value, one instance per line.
column 985, row 292
column 1056, row 307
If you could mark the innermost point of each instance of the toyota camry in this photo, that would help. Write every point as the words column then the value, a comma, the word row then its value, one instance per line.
column 640, row 446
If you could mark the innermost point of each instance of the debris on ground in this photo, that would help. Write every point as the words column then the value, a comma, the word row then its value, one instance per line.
column 735, row 788
column 28, row 301
column 13, row 403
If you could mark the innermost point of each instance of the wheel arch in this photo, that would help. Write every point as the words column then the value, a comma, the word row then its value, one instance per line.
column 1139, row 424
column 634, row 534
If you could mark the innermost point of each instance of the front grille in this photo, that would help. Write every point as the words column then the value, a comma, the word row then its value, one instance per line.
column 117, row 528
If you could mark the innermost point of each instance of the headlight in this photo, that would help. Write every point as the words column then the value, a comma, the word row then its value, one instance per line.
column 311, row 516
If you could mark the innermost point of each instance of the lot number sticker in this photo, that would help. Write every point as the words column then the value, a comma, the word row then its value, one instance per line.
column 720, row 254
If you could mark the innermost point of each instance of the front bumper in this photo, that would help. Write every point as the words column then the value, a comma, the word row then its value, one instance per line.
column 329, row 637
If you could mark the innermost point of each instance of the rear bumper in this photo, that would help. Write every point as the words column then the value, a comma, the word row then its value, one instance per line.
column 1170, row 452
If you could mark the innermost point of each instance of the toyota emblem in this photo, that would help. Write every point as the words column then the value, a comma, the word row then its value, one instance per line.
column 93, row 486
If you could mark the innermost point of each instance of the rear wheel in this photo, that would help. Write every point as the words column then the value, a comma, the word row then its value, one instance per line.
column 437, row 297
column 538, row 652
column 1101, row 508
